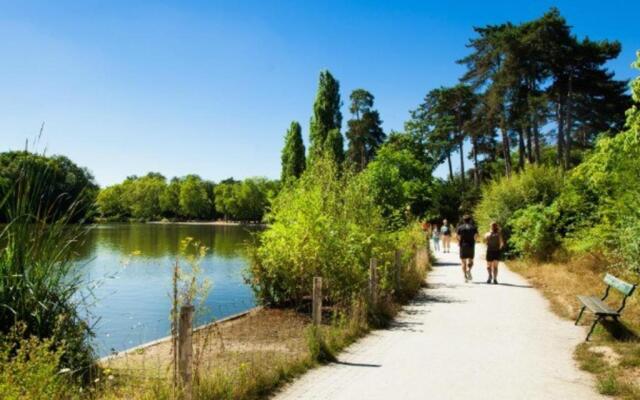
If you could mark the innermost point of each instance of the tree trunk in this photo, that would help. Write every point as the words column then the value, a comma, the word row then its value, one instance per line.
column 529, row 148
column 521, row 150
column 474, row 151
column 569, row 123
column 450, row 166
column 536, row 140
column 560, row 141
column 461, row 145
column 506, row 148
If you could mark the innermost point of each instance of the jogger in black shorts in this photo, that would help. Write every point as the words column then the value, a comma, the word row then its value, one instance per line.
column 494, row 242
column 467, row 235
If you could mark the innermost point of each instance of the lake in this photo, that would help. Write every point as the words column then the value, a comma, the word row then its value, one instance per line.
column 131, row 304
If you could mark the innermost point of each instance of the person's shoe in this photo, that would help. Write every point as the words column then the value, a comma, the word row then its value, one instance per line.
column 495, row 281
column 489, row 280
column 470, row 276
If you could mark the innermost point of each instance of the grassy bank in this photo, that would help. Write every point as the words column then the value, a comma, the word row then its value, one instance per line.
column 250, row 357
column 613, row 352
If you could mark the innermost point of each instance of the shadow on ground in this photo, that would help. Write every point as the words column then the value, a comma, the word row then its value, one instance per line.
column 619, row 331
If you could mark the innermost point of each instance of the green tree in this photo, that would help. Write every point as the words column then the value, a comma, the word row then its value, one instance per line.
column 365, row 132
column 170, row 199
column 194, row 199
column 326, row 113
column 293, row 157
column 334, row 145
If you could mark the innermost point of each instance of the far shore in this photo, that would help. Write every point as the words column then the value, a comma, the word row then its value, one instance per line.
column 218, row 223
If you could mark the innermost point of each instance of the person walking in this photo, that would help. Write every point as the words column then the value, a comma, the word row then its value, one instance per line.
column 494, row 242
column 435, row 237
column 445, row 231
column 467, row 235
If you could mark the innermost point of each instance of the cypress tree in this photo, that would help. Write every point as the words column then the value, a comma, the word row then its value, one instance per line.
column 334, row 145
column 326, row 113
column 293, row 158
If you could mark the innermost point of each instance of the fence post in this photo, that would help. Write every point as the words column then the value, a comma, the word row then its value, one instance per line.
column 316, row 308
column 185, row 349
column 398, row 268
column 373, row 281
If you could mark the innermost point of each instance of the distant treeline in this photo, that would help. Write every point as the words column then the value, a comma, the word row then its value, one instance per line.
column 153, row 197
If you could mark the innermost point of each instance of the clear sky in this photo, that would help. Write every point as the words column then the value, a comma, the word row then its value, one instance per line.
column 210, row 87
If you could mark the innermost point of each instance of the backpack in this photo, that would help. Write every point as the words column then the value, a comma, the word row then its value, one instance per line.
column 493, row 241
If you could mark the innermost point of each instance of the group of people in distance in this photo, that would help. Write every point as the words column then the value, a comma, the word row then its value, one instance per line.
column 467, row 235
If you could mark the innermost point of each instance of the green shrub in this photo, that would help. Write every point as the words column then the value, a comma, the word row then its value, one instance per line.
column 533, row 232
column 31, row 369
column 502, row 198
column 327, row 225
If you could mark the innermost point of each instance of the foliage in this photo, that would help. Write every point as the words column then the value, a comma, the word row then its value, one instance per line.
column 365, row 132
column 31, row 368
column 187, row 198
column 327, row 224
column 247, row 200
column 398, row 183
column 534, row 232
column 68, row 186
column 326, row 117
column 502, row 198
column 39, row 282
column 293, row 158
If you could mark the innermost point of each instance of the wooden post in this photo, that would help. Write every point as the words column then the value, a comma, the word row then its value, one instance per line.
column 398, row 268
column 373, row 281
column 185, row 349
column 316, row 308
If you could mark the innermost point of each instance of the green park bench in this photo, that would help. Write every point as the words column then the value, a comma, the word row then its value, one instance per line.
column 597, row 306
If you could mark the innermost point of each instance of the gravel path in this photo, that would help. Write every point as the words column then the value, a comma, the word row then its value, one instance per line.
column 459, row 341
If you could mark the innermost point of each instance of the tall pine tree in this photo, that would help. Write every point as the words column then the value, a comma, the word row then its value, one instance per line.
column 326, row 117
column 365, row 132
column 293, row 158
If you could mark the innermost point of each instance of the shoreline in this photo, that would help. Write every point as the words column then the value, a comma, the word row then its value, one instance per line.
column 155, row 342
column 209, row 223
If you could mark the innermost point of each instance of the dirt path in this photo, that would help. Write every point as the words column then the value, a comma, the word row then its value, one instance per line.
column 460, row 341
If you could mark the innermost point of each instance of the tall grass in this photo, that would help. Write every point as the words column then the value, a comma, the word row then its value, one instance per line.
column 39, row 283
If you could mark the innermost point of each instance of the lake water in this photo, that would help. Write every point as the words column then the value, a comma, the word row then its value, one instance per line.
column 131, row 302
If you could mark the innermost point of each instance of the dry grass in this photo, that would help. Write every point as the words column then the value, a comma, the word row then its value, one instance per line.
column 613, row 352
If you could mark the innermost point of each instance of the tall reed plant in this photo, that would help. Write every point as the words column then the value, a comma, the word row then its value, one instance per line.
column 39, row 283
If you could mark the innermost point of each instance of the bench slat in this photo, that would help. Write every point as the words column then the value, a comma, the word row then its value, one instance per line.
column 618, row 284
column 596, row 305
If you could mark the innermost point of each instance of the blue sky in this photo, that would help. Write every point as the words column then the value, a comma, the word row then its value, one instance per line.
column 210, row 87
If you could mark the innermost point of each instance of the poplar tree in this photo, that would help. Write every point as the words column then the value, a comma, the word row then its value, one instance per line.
column 326, row 115
column 293, row 158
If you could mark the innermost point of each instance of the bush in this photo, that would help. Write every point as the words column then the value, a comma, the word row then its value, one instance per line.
column 326, row 224
column 533, row 232
column 31, row 369
column 502, row 198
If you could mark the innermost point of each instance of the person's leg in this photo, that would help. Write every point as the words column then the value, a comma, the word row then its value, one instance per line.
column 463, row 262
column 489, row 271
column 495, row 272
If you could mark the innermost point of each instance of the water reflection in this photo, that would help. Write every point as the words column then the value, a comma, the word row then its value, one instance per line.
column 132, row 303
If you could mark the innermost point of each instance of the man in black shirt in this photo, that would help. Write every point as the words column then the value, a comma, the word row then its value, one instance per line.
column 467, row 235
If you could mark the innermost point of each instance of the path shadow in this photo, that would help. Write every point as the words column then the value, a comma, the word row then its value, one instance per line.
column 425, row 297
column 441, row 285
column 446, row 264
column 504, row 284
column 619, row 331
column 357, row 364
column 406, row 326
